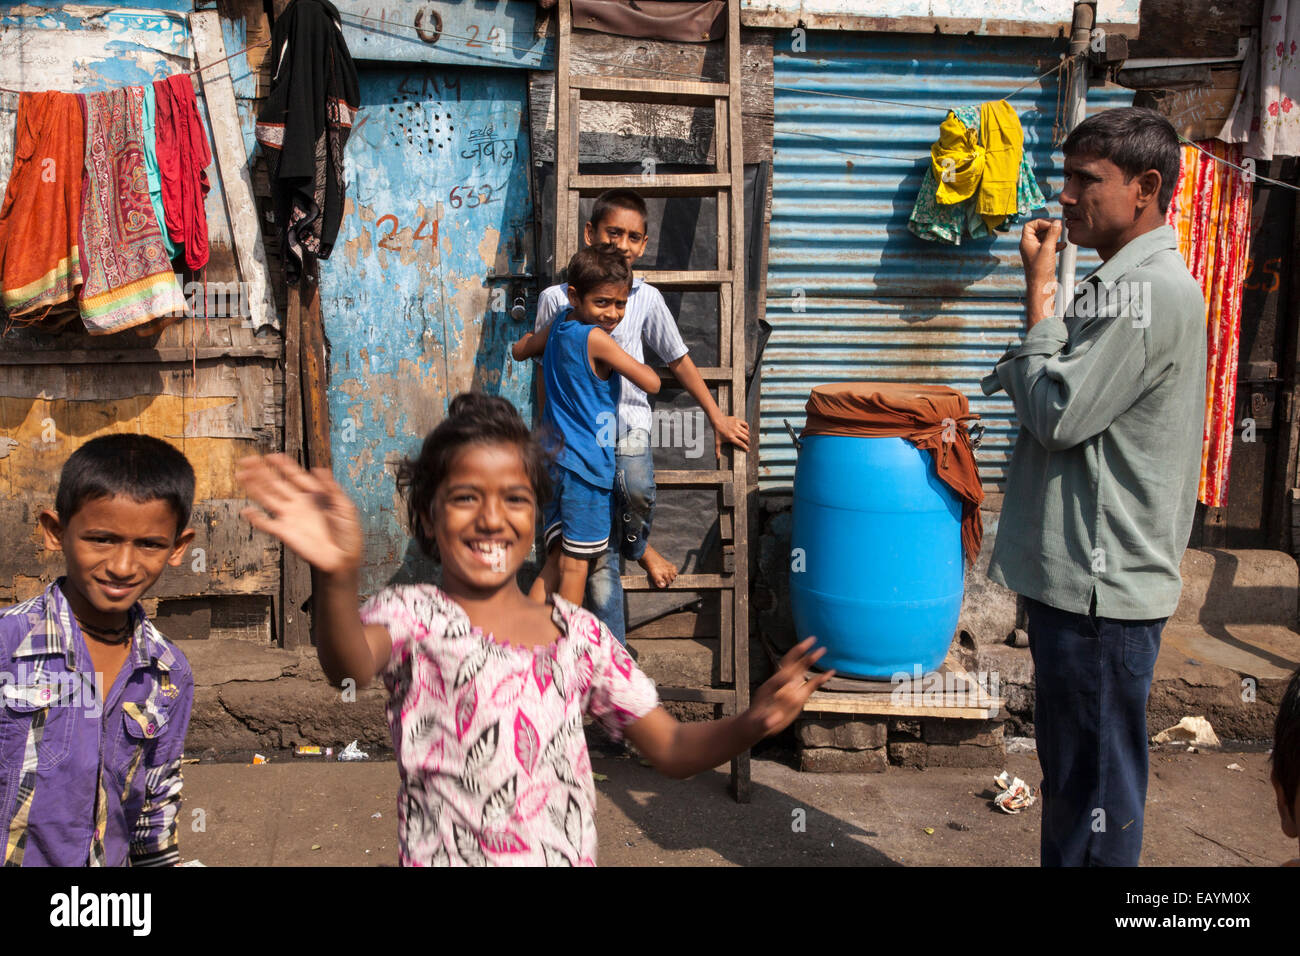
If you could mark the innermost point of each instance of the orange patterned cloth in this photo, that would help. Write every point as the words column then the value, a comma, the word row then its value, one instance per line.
column 39, row 260
column 1210, row 212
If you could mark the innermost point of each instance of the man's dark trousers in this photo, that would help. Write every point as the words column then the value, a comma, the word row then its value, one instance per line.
column 1092, row 676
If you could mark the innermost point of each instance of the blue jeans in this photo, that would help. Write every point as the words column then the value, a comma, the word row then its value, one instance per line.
column 1092, row 676
column 634, row 501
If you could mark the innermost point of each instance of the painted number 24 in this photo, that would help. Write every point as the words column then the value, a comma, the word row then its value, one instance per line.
column 388, row 240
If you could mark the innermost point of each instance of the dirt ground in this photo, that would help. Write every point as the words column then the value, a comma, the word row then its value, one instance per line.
column 297, row 813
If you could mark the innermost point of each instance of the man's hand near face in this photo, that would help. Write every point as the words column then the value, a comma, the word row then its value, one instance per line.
column 1040, row 240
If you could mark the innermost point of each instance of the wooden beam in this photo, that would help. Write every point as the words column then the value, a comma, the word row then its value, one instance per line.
column 315, row 373
column 295, row 577
column 166, row 356
column 232, row 166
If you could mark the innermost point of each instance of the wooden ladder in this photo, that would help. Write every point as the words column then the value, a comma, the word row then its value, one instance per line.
column 726, row 182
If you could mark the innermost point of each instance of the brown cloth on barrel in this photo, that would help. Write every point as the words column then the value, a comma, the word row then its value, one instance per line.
column 932, row 417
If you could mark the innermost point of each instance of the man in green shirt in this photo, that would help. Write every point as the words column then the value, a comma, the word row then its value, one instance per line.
column 1102, row 484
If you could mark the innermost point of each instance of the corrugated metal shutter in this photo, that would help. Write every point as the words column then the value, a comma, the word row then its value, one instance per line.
column 851, row 294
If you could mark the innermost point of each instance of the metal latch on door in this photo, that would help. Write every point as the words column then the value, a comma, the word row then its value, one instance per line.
column 519, row 310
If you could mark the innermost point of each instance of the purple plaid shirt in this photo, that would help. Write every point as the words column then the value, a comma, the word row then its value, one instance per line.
column 88, row 775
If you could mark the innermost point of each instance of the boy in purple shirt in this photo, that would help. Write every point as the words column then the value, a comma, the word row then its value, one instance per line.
column 94, row 702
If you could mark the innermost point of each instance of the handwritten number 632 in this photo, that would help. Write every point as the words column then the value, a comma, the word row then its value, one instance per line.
column 471, row 196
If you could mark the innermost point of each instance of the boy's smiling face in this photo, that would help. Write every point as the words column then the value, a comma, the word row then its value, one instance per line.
column 483, row 517
column 624, row 228
column 115, row 549
column 603, row 306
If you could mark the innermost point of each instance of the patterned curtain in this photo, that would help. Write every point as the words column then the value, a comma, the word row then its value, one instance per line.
column 1211, row 214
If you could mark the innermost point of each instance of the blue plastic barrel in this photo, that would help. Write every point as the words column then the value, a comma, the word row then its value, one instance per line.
column 876, row 572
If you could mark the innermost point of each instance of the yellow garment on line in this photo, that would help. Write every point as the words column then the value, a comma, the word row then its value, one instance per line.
column 1004, row 141
column 983, row 163
column 958, row 160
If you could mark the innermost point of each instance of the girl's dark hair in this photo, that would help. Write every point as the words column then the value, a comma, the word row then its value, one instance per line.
column 139, row 467
column 472, row 418
column 1286, row 742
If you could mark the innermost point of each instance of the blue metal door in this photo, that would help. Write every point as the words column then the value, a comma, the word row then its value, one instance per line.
column 414, row 303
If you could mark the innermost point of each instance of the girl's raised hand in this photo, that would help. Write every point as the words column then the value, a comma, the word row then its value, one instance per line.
column 308, row 511
column 783, row 695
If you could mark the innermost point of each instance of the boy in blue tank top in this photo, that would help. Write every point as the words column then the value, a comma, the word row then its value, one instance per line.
column 580, row 417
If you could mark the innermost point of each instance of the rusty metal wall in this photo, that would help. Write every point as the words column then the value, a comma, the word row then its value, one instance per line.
column 851, row 294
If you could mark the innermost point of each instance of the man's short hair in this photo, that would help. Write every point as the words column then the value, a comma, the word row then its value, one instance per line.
column 601, row 264
column 628, row 199
column 138, row 467
column 1135, row 139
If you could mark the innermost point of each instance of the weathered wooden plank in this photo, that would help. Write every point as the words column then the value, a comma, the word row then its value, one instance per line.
column 731, row 304
column 295, row 577
column 164, row 356
column 619, row 89
column 682, row 624
column 315, row 401
column 1199, row 113
column 665, row 184
column 1186, row 29
column 232, row 166
column 630, row 132
column 707, row 695
column 683, row 582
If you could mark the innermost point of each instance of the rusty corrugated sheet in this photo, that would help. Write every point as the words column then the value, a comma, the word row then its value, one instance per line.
column 851, row 294
column 1045, row 18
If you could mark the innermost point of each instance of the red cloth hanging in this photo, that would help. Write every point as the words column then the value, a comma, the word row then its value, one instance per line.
column 1210, row 212
column 183, row 158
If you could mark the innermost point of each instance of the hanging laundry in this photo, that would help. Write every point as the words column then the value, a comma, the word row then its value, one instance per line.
column 149, row 138
column 1210, row 212
column 39, row 257
column 962, row 149
column 957, row 161
column 127, row 278
column 183, row 158
column 1266, row 115
column 304, row 127
column 1004, row 143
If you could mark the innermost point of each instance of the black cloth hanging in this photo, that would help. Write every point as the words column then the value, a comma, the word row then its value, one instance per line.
column 304, row 126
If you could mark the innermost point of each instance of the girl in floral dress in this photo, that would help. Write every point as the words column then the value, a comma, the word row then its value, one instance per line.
column 487, row 688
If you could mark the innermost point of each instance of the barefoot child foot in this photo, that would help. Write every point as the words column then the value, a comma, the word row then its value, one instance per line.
column 659, row 569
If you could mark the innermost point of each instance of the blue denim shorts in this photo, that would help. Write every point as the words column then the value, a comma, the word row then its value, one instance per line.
column 578, row 514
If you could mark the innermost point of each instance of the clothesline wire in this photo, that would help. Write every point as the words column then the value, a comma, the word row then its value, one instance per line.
column 1242, row 169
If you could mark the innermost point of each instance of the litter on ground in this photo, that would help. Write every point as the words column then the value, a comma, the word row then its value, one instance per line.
column 353, row 752
column 1193, row 731
column 1014, row 794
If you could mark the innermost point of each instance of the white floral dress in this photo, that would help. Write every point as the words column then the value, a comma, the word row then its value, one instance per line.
column 490, row 748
